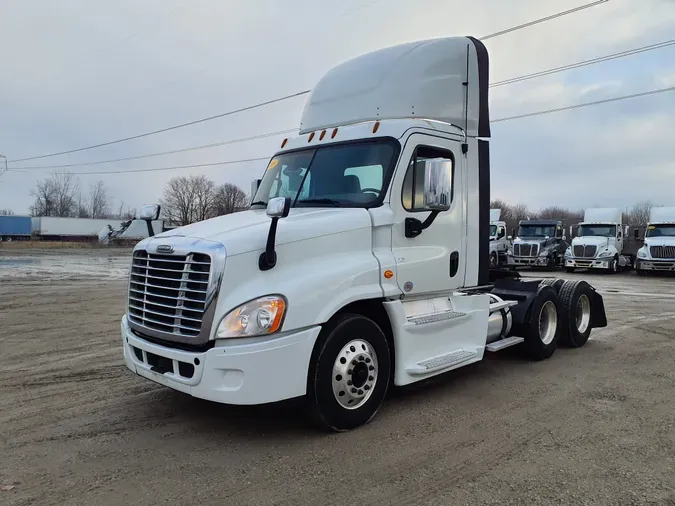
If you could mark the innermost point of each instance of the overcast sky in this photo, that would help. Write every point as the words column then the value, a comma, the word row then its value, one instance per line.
column 80, row 72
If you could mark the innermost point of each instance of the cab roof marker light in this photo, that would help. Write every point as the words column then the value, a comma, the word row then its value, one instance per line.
column 323, row 134
column 311, row 136
column 376, row 126
column 335, row 131
column 283, row 143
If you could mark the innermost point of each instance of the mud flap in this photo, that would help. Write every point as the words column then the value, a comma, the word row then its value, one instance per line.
column 598, row 316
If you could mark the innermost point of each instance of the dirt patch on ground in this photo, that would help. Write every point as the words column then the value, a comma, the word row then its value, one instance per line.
column 588, row 426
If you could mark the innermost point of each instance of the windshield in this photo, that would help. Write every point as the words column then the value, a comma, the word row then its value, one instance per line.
column 661, row 230
column 493, row 230
column 597, row 230
column 345, row 175
column 536, row 231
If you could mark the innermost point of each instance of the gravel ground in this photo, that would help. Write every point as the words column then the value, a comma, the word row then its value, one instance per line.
column 588, row 426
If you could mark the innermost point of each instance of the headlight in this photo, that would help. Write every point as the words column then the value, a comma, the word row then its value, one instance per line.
column 258, row 317
column 544, row 253
column 509, row 252
column 568, row 252
column 604, row 254
column 642, row 253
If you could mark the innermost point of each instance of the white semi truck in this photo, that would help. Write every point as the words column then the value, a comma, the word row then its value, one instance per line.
column 500, row 243
column 599, row 243
column 363, row 260
column 658, row 252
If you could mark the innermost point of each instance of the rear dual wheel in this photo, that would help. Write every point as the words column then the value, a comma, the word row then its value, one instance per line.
column 541, row 328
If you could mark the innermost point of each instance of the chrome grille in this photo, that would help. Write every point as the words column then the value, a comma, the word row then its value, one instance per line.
column 526, row 250
column 168, row 293
column 581, row 251
column 662, row 251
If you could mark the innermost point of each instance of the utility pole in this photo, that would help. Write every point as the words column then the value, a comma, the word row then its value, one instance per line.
column 6, row 169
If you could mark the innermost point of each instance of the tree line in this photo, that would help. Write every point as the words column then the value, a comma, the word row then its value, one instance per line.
column 637, row 216
column 186, row 199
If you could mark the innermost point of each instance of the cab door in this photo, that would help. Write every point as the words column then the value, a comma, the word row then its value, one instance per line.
column 433, row 261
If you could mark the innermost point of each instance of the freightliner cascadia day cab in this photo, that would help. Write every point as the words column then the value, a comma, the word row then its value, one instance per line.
column 539, row 243
column 658, row 252
column 500, row 243
column 599, row 243
column 363, row 260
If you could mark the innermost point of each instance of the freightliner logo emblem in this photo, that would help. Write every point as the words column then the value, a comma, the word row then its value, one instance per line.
column 164, row 248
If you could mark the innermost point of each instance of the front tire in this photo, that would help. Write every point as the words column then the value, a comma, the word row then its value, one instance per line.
column 614, row 266
column 349, row 373
column 494, row 260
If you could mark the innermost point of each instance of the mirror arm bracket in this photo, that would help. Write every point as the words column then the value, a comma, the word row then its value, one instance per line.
column 414, row 227
column 268, row 258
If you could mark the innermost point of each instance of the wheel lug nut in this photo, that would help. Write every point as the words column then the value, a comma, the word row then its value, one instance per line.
column 366, row 387
column 353, row 362
column 350, row 371
column 360, row 392
column 370, row 378
column 367, row 361
column 353, row 390
column 350, row 383
column 360, row 359
column 371, row 368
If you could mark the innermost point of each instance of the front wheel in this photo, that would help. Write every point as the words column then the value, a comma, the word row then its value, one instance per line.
column 349, row 374
column 613, row 265
column 494, row 260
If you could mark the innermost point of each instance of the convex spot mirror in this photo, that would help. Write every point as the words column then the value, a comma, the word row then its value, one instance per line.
column 278, row 207
column 437, row 184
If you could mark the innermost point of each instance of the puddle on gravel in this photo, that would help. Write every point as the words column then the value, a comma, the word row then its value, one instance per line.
column 64, row 266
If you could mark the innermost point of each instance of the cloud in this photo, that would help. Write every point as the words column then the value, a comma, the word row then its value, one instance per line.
column 84, row 73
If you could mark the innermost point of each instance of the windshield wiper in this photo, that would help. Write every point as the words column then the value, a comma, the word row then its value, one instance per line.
column 331, row 202
column 259, row 203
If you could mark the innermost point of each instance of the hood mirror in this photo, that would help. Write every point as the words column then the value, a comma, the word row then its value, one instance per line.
column 277, row 208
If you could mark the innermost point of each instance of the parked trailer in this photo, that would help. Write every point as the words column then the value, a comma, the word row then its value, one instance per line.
column 14, row 227
column 52, row 228
column 370, row 272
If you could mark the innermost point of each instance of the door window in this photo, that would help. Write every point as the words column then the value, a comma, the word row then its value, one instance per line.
column 412, row 196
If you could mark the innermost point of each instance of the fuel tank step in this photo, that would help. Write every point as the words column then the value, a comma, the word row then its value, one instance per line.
column 504, row 343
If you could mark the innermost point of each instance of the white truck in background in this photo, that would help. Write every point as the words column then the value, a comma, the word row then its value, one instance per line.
column 658, row 252
column 500, row 243
column 599, row 243
column 363, row 261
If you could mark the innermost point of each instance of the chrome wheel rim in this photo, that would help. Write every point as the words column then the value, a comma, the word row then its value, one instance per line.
column 548, row 322
column 583, row 313
column 354, row 374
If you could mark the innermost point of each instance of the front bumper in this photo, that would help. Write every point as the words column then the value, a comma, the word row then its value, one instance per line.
column 655, row 265
column 244, row 374
column 588, row 263
column 528, row 261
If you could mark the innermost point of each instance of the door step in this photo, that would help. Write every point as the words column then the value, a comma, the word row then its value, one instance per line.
column 434, row 317
column 442, row 362
column 504, row 343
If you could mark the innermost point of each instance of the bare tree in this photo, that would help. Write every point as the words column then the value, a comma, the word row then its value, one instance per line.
column 98, row 204
column 179, row 200
column 6, row 212
column 56, row 196
column 204, row 193
column 640, row 213
column 229, row 199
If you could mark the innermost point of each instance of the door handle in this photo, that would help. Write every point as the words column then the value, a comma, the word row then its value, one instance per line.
column 454, row 263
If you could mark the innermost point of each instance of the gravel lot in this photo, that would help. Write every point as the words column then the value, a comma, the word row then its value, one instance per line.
column 588, row 426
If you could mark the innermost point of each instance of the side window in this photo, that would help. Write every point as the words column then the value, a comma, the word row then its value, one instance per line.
column 413, row 185
column 502, row 232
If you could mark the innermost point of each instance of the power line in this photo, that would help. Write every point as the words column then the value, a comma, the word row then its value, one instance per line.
column 287, row 97
column 537, row 113
column 544, row 19
column 150, row 155
column 585, row 104
column 571, row 66
column 585, row 63
column 174, row 127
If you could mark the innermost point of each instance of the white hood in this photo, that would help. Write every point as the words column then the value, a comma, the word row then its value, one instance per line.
column 247, row 231
column 590, row 240
column 660, row 241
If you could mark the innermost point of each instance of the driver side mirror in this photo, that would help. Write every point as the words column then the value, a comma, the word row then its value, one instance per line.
column 149, row 213
column 509, row 237
column 564, row 236
column 278, row 207
column 437, row 184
